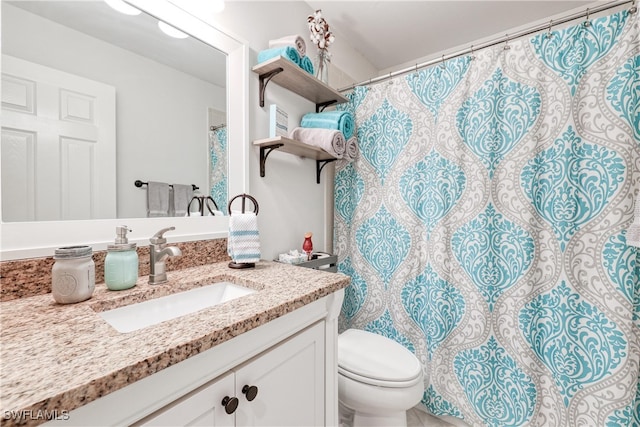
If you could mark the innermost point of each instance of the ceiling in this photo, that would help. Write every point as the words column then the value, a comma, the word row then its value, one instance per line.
column 392, row 33
column 138, row 34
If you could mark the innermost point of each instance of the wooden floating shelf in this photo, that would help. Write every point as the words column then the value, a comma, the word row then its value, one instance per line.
column 288, row 75
column 291, row 146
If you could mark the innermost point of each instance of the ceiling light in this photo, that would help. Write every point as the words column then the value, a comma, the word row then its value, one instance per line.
column 123, row 7
column 171, row 31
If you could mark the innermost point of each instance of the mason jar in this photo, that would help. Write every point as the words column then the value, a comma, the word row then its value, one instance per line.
column 73, row 276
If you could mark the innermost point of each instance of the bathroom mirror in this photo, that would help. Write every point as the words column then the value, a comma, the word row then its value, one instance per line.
column 154, row 160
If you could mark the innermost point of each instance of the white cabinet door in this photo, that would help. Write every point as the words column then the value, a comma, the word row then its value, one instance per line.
column 289, row 380
column 290, row 384
column 201, row 407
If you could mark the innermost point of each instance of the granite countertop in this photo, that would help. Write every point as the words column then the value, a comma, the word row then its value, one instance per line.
column 56, row 356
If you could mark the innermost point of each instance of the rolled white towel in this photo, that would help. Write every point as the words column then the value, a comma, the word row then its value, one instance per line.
column 293, row 40
column 330, row 140
column 351, row 150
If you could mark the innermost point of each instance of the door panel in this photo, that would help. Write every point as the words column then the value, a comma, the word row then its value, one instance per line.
column 202, row 407
column 290, row 381
column 67, row 166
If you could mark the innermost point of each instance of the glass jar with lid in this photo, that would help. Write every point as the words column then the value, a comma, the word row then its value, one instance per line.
column 121, row 262
column 73, row 276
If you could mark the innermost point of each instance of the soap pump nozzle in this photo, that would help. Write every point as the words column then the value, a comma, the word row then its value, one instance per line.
column 121, row 234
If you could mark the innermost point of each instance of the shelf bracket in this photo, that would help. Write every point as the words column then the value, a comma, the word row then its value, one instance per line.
column 264, row 153
column 264, row 79
column 320, row 164
column 321, row 106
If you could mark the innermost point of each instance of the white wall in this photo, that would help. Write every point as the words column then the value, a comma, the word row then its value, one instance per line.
column 161, row 112
column 291, row 203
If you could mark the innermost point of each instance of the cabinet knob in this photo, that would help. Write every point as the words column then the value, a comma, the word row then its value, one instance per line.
column 250, row 392
column 230, row 404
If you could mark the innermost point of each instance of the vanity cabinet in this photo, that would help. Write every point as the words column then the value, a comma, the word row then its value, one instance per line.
column 288, row 75
column 283, row 386
column 290, row 360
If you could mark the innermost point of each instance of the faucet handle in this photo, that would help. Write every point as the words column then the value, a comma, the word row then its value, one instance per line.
column 158, row 238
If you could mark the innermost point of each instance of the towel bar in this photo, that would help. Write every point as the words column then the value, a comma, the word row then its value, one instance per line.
column 139, row 184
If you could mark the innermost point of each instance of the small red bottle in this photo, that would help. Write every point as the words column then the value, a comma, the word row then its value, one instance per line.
column 307, row 245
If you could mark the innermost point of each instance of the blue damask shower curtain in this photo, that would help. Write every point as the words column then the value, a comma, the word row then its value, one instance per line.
column 218, row 167
column 483, row 226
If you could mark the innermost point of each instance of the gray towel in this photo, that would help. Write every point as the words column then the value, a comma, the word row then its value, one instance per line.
column 330, row 140
column 182, row 195
column 157, row 199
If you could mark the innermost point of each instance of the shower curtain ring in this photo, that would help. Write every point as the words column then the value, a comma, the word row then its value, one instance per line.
column 549, row 33
column 473, row 55
column 442, row 63
column 390, row 81
column 506, row 44
column 587, row 23
column 633, row 9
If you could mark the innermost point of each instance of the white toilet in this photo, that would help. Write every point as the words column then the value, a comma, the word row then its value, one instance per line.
column 378, row 379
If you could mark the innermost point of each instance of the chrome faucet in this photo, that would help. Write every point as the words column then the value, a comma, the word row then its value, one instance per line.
column 159, row 252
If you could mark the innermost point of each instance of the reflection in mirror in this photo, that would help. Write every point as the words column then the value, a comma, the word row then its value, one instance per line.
column 218, row 153
column 93, row 100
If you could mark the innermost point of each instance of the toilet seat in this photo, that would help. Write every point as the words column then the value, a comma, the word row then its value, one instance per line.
column 376, row 360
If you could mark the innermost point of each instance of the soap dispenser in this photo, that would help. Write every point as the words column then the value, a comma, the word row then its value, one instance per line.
column 121, row 263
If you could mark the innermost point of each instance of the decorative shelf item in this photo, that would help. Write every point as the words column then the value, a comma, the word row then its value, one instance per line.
column 288, row 75
column 294, row 147
column 320, row 261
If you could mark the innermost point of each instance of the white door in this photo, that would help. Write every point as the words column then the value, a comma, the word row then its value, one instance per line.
column 202, row 407
column 289, row 381
column 58, row 144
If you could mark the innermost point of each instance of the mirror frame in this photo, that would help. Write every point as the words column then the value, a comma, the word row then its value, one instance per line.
column 19, row 240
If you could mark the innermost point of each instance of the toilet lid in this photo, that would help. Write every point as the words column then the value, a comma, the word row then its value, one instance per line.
column 376, row 360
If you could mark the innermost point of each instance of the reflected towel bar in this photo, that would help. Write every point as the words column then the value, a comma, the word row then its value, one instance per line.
column 139, row 183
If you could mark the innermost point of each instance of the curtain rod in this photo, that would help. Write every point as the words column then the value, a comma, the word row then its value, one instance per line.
column 505, row 39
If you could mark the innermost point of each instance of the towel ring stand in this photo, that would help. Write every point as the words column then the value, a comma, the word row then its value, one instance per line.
column 244, row 197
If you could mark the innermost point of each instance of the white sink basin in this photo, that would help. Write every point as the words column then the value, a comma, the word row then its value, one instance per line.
column 137, row 316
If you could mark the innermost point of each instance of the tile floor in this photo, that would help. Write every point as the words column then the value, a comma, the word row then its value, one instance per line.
column 415, row 418
column 418, row 418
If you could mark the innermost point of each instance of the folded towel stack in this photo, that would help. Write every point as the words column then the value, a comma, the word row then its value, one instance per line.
column 243, row 243
column 291, row 47
column 287, row 52
column 330, row 140
column 339, row 120
column 293, row 40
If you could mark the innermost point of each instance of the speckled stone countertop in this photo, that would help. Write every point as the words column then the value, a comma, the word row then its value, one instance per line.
column 60, row 357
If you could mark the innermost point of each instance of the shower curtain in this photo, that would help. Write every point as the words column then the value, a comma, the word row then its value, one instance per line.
column 218, row 167
column 483, row 227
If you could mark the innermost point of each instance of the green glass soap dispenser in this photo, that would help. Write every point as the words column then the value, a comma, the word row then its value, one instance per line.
column 121, row 263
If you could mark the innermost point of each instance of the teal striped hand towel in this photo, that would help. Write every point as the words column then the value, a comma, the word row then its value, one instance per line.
column 339, row 120
column 243, row 243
